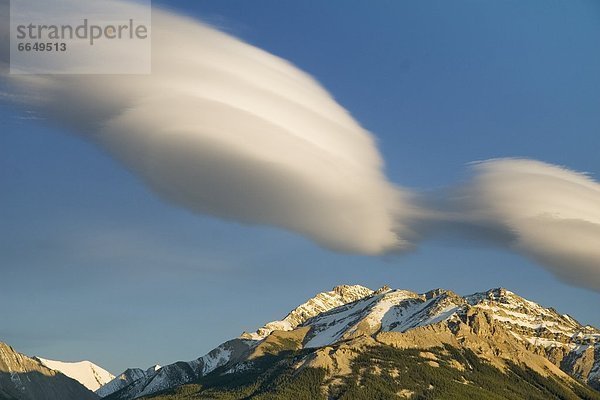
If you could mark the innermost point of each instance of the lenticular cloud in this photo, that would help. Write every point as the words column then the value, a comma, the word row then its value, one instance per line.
column 226, row 129
column 552, row 213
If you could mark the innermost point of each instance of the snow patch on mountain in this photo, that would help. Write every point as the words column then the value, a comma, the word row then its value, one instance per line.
column 85, row 372
column 214, row 360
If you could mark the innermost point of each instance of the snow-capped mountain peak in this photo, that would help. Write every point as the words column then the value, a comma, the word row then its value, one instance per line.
column 320, row 303
column 85, row 372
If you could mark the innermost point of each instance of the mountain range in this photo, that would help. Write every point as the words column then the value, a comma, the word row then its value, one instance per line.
column 332, row 331
column 353, row 343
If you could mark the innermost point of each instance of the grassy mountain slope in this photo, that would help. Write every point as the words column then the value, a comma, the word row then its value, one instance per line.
column 384, row 372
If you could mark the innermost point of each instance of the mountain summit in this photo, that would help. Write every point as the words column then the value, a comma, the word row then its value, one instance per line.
column 352, row 341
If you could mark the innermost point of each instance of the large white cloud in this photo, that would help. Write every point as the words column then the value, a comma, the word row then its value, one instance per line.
column 551, row 213
column 224, row 128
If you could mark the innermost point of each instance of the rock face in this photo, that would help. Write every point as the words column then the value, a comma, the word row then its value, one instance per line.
column 125, row 379
column 25, row 378
column 559, row 338
column 334, row 328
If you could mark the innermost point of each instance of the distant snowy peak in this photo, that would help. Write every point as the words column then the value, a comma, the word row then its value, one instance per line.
column 85, row 372
column 318, row 304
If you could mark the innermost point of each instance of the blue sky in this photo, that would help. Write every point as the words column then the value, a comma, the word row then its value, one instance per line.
column 96, row 267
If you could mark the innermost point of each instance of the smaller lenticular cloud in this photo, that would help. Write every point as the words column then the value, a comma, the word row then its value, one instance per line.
column 552, row 214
